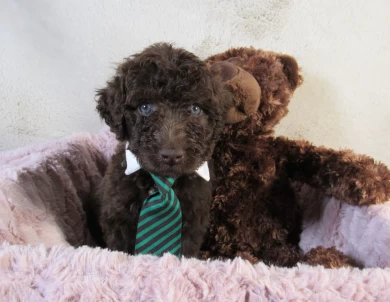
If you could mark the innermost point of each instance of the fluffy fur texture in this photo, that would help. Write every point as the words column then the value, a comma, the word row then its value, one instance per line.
column 262, row 181
column 170, row 108
column 41, row 188
column 85, row 274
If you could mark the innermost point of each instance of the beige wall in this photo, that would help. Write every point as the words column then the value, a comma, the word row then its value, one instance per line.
column 53, row 54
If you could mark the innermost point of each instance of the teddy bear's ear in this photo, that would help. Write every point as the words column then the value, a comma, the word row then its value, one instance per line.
column 244, row 90
column 291, row 70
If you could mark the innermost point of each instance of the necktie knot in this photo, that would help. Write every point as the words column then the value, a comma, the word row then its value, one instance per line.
column 163, row 184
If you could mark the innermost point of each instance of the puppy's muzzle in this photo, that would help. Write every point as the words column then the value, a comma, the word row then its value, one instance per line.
column 171, row 156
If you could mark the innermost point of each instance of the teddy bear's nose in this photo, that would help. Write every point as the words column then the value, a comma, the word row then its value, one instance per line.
column 171, row 156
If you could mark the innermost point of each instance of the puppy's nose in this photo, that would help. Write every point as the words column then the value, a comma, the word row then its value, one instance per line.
column 171, row 156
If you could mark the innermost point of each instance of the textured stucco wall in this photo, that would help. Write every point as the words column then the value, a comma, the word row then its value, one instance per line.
column 53, row 54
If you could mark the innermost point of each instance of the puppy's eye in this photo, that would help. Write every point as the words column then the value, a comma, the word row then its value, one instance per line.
column 146, row 109
column 195, row 110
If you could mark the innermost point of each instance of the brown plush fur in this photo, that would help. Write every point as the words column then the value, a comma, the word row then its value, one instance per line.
column 329, row 258
column 170, row 81
column 263, row 184
column 261, row 180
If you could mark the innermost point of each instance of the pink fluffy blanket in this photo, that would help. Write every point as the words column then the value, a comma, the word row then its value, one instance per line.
column 42, row 221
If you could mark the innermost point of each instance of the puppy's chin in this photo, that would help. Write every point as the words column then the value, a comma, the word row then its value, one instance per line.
column 165, row 170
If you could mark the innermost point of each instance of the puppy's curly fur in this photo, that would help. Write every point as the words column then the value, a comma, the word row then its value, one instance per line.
column 162, row 99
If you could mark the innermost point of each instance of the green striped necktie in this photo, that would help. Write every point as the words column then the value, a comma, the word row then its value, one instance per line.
column 160, row 221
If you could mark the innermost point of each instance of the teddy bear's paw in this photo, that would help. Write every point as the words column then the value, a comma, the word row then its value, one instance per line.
column 329, row 258
column 367, row 192
column 363, row 182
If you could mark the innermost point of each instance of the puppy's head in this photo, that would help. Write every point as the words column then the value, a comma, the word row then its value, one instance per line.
column 168, row 105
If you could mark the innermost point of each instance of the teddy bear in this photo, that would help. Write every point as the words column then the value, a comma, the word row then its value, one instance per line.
column 265, row 184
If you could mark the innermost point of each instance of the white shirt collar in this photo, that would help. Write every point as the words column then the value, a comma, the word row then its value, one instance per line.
column 133, row 165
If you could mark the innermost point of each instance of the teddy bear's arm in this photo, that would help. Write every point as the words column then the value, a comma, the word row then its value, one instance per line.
column 355, row 179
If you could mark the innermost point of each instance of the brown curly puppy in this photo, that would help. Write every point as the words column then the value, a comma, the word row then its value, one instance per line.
column 170, row 109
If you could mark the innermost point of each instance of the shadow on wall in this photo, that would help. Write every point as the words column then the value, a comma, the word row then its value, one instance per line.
column 241, row 23
column 314, row 114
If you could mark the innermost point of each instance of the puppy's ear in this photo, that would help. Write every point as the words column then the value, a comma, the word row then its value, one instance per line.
column 110, row 105
column 221, row 94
